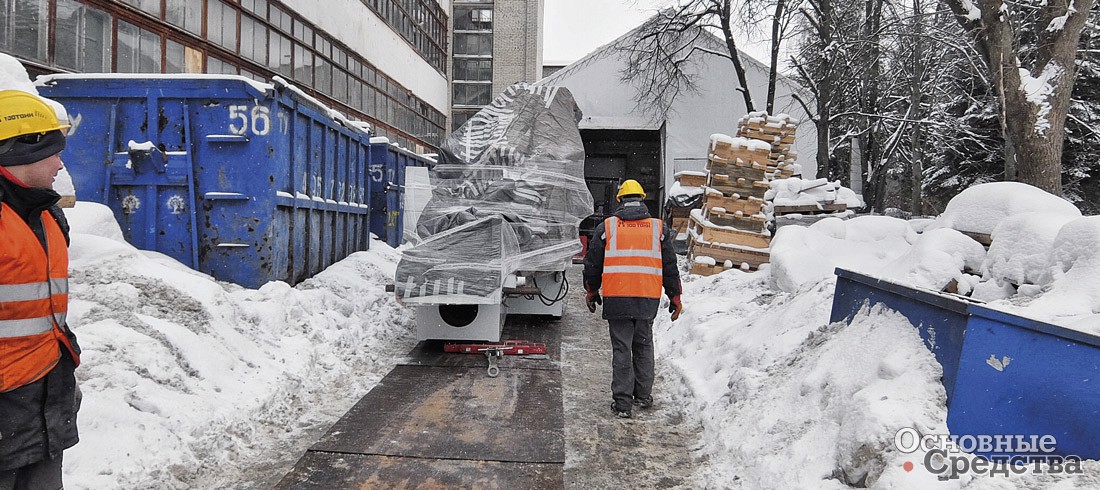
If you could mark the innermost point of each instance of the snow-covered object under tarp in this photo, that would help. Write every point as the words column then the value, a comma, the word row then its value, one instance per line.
column 508, row 195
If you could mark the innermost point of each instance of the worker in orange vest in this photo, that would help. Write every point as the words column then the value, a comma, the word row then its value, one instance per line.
column 631, row 256
column 39, row 397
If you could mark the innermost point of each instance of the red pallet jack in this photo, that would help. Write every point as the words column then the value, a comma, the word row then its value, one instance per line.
column 493, row 352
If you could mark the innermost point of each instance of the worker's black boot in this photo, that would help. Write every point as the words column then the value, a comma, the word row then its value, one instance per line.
column 623, row 414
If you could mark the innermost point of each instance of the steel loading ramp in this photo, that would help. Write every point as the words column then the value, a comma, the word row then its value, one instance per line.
column 438, row 421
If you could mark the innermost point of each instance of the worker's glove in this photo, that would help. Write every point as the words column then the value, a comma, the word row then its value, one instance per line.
column 675, row 307
column 592, row 299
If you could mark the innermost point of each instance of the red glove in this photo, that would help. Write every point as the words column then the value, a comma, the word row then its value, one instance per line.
column 675, row 307
column 592, row 299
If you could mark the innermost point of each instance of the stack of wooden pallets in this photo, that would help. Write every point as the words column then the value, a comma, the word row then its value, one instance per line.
column 732, row 230
column 776, row 130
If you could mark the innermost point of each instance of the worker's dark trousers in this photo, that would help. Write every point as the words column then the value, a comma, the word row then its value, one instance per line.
column 631, row 360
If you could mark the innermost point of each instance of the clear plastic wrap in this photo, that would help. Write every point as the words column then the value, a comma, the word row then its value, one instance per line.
column 508, row 195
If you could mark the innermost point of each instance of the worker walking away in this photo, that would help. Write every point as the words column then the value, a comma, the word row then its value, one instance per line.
column 39, row 397
column 631, row 256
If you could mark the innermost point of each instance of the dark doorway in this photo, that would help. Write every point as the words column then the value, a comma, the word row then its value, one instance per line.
column 614, row 155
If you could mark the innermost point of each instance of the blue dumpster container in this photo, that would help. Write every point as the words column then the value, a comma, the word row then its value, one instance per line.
column 1026, row 377
column 940, row 320
column 387, row 203
column 1004, row 374
column 245, row 181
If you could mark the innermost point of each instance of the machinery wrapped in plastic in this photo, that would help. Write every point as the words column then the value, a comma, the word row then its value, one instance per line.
column 508, row 194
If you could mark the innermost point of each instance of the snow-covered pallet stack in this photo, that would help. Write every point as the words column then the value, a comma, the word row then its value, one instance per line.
column 733, row 227
column 778, row 131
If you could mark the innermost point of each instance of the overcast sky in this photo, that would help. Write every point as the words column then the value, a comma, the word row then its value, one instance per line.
column 574, row 28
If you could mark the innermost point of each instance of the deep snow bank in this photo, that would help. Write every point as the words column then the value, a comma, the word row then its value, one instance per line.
column 182, row 374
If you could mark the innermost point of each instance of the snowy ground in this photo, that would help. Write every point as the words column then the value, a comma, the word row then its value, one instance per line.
column 190, row 382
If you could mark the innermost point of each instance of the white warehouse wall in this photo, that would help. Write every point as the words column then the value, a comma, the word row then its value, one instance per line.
column 608, row 103
column 355, row 25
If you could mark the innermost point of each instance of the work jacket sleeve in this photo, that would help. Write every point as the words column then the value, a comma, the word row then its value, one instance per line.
column 593, row 260
column 669, row 268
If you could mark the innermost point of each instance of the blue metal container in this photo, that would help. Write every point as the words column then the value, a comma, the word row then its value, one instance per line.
column 245, row 181
column 1024, row 377
column 1004, row 374
column 940, row 320
column 387, row 203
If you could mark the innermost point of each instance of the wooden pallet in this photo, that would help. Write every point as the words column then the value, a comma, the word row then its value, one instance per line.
column 751, row 173
column 810, row 208
column 721, row 254
column 731, row 205
column 692, row 180
column 712, row 234
column 754, row 224
column 741, row 187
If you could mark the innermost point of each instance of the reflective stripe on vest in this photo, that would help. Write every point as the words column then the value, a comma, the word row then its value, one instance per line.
column 34, row 296
column 632, row 263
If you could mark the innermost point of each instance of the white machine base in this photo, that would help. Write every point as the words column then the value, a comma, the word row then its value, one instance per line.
column 460, row 322
column 550, row 283
column 486, row 322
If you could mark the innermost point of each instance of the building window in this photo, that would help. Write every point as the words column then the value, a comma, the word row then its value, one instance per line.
column 420, row 22
column 473, row 69
column 253, row 40
column 181, row 59
column 151, row 6
column 23, row 28
column 480, row 44
column 83, row 38
column 472, row 94
column 303, row 64
column 258, row 7
column 279, row 53
column 473, row 18
column 184, row 13
column 221, row 24
column 215, row 65
column 138, row 49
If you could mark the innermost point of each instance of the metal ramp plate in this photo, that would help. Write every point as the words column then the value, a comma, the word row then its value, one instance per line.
column 331, row 470
column 456, row 413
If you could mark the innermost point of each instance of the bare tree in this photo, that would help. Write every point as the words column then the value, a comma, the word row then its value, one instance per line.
column 1034, row 96
column 661, row 52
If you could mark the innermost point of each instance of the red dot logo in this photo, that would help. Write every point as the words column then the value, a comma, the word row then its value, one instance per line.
column 908, row 466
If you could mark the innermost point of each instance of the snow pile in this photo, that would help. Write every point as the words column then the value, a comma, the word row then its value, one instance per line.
column 1068, row 290
column 182, row 372
column 808, row 255
column 1041, row 262
column 783, row 401
column 937, row 258
column 981, row 208
column 1021, row 245
column 788, row 400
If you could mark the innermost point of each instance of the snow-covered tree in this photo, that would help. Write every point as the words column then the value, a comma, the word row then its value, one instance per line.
column 1033, row 79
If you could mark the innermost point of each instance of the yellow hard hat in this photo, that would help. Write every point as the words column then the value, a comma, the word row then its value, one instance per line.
column 25, row 113
column 630, row 187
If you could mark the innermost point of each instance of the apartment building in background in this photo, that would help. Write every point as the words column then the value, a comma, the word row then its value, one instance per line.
column 382, row 61
column 496, row 43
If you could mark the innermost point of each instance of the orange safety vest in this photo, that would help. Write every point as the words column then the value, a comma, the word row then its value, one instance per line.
column 34, row 297
column 632, row 258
